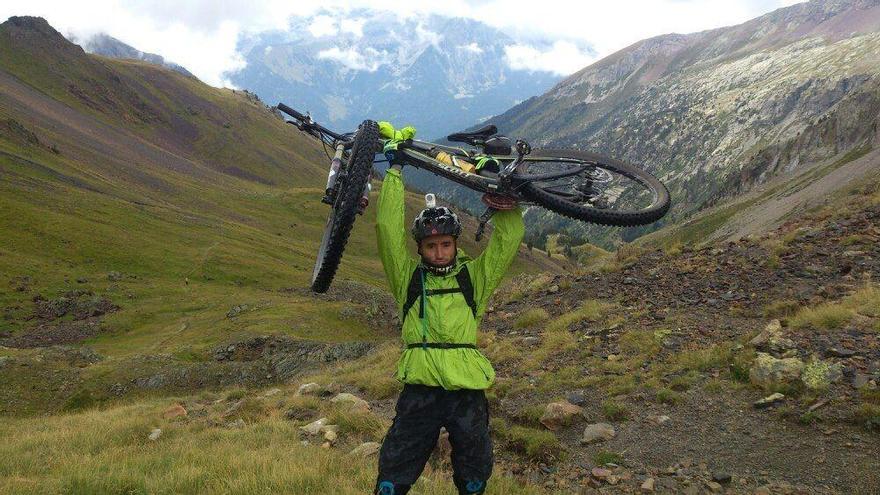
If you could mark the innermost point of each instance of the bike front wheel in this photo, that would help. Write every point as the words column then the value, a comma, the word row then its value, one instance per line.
column 352, row 180
column 592, row 188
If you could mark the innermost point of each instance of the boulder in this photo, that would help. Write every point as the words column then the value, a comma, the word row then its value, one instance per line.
column 767, row 370
column 558, row 414
column 819, row 375
column 366, row 449
column 309, row 389
column 314, row 427
column 155, row 434
column 174, row 411
column 350, row 399
column 598, row 432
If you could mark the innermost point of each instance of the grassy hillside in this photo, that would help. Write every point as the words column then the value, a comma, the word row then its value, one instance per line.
column 138, row 207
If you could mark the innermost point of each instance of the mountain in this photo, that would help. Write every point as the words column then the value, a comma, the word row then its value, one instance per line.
column 438, row 73
column 108, row 46
column 717, row 112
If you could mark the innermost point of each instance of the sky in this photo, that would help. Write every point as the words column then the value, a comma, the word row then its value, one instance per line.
column 203, row 35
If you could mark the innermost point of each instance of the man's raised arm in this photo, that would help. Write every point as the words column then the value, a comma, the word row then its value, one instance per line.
column 391, row 234
column 491, row 265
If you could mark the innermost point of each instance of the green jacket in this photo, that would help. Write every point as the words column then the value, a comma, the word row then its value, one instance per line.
column 449, row 319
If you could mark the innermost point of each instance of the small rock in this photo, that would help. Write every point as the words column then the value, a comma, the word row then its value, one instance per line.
column 860, row 380
column 330, row 436
column 530, row 340
column 558, row 414
column 714, row 487
column 325, row 445
column 236, row 425
column 598, row 432
column 155, row 434
column 840, row 352
column 114, row 276
column 613, row 357
column 576, row 398
column 763, row 490
column 768, row 401
column 354, row 401
column 314, row 427
column 659, row 420
column 274, row 391
column 648, row 485
column 721, row 477
column 308, row 389
column 600, row 473
column 237, row 310
column 174, row 411
column 366, row 449
column 553, row 289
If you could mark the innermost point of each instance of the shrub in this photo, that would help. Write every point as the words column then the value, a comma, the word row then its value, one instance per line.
column 531, row 318
column 827, row 316
column 668, row 396
column 604, row 457
column 615, row 411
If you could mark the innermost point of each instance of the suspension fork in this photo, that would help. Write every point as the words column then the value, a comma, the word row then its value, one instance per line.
column 335, row 166
column 331, row 191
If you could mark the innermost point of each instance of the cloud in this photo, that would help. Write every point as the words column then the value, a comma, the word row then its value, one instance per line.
column 323, row 25
column 203, row 35
column 352, row 59
column 427, row 36
column 562, row 58
column 353, row 26
column 473, row 48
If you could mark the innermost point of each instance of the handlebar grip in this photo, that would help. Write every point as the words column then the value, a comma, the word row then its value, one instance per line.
column 293, row 113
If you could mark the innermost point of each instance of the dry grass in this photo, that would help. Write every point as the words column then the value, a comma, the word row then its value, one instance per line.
column 531, row 318
column 864, row 302
column 107, row 451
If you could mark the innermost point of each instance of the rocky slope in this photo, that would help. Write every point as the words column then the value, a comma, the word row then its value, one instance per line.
column 717, row 112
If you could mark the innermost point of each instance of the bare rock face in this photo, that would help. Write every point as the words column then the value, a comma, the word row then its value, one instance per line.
column 558, row 414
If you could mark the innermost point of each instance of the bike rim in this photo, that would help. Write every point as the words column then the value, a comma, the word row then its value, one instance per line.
column 598, row 185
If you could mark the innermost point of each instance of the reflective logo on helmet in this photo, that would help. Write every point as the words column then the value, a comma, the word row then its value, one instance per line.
column 433, row 231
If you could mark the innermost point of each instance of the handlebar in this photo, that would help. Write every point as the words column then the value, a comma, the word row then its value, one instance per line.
column 306, row 123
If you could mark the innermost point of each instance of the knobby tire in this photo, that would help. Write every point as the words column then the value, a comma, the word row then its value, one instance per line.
column 344, row 210
column 620, row 218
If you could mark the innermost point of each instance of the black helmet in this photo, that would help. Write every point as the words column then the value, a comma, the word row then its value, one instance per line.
column 438, row 220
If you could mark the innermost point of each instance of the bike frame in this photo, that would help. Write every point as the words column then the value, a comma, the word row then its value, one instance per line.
column 415, row 153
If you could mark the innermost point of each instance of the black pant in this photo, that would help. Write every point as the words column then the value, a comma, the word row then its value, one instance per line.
column 421, row 411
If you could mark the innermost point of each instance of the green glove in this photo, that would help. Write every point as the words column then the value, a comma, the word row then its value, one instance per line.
column 387, row 131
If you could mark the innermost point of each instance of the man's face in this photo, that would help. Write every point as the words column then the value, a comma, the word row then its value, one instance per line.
column 438, row 250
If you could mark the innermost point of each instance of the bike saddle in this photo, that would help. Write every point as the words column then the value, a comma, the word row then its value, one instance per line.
column 475, row 137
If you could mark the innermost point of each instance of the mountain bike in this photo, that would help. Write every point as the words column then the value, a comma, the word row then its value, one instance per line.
column 585, row 186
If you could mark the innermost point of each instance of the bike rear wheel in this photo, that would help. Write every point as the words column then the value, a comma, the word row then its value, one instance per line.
column 351, row 182
column 605, row 191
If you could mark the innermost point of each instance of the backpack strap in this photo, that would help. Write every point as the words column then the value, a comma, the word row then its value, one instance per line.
column 467, row 289
column 414, row 291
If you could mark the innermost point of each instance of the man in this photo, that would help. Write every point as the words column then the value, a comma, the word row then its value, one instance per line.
column 442, row 298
